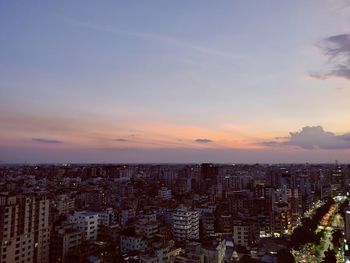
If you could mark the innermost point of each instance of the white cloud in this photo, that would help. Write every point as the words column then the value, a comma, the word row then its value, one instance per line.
column 314, row 137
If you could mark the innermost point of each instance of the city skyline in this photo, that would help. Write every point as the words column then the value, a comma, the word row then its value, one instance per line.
column 175, row 82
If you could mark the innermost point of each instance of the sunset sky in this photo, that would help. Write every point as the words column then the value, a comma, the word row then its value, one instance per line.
column 175, row 81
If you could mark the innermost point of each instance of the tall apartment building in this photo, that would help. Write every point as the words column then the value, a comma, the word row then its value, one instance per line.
column 85, row 222
column 63, row 240
column 185, row 223
column 24, row 229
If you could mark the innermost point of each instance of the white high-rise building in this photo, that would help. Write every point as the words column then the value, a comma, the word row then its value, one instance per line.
column 86, row 222
column 185, row 223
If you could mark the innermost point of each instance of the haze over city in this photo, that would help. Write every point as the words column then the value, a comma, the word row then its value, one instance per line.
column 175, row 81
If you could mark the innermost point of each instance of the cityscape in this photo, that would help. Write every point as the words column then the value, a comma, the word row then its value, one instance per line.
column 175, row 213
column 158, row 131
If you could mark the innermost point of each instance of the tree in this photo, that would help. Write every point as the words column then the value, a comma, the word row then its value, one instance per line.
column 329, row 257
column 336, row 238
column 285, row 256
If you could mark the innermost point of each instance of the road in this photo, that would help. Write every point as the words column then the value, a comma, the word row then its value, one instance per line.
column 315, row 253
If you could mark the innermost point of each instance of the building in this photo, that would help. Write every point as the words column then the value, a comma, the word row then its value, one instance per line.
column 208, row 251
column 185, row 223
column 161, row 252
column 130, row 241
column 126, row 215
column 64, row 204
column 64, row 239
column 85, row 222
column 146, row 229
column 107, row 217
column 209, row 171
column 241, row 233
column 214, row 251
column 164, row 193
column 347, row 223
column 208, row 225
column 225, row 223
column 24, row 229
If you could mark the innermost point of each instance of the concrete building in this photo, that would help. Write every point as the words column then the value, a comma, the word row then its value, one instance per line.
column 146, row 226
column 164, row 193
column 24, row 229
column 185, row 223
column 148, row 230
column 214, row 251
column 162, row 252
column 126, row 215
column 347, row 223
column 64, row 204
column 130, row 241
column 241, row 232
column 208, row 224
column 107, row 217
column 225, row 223
column 86, row 222
column 64, row 239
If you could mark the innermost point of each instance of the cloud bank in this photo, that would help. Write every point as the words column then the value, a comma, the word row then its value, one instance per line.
column 120, row 140
column 203, row 140
column 314, row 137
column 337, row 49
column 47, row 141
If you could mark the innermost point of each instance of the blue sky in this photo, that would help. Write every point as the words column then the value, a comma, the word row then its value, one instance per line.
column 156, row 76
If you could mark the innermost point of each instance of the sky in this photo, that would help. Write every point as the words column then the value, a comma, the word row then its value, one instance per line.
column 175, row 81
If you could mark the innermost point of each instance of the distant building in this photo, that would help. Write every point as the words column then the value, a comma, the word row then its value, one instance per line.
column 164, row 193
column 185, row 223
column 162, row 252
column 147, row 229
column 87, row 223
column 107, row 217
column 208, row 224
column 64, row 204
column 241, row 233
column 214, row 251
column 126, row 215
column 211, row 251
column 131, row 241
